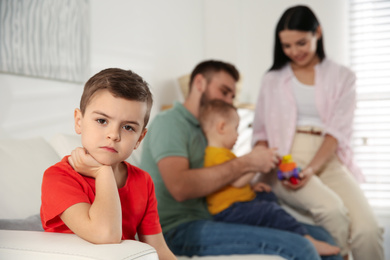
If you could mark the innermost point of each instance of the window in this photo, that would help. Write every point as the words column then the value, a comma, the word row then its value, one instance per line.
column 370, row 59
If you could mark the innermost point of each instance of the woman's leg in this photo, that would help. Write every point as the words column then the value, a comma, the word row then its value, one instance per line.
column 323, row 204
column 326, row 207
column 205, row 237
column 366, row 236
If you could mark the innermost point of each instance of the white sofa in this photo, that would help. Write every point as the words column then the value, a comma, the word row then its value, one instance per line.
column 22, row 163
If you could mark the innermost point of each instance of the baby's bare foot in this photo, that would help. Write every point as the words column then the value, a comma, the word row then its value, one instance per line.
column 323, row 248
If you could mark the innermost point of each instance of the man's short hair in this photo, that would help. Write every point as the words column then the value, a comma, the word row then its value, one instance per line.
column 209, row 67
column 121, row 84
column 214, row 109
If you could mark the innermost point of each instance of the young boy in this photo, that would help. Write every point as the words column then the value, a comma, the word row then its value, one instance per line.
column 238, row 203
column 94, row 192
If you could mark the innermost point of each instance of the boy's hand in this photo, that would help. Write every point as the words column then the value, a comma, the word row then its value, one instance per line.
column 261, row 187
column 83, row 163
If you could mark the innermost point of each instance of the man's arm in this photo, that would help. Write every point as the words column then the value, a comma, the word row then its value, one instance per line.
column 101, row 222
column 184, row 183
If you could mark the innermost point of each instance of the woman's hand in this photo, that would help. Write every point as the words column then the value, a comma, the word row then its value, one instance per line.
column 304, row 176
column 83, row 163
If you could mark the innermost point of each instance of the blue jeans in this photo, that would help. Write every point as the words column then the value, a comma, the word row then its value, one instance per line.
column 262, row 211
column 207, row 237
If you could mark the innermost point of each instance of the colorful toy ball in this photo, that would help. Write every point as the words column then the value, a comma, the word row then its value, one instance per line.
column 288, row 170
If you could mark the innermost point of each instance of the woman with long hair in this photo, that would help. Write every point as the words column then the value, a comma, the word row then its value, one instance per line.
column 306, row 108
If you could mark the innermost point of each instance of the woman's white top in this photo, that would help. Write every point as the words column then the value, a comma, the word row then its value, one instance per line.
column 306, row 104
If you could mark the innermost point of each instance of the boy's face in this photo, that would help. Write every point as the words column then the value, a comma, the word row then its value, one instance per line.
column 231, row 130
column 111, row 128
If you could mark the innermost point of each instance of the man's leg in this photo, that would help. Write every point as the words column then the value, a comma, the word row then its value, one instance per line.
column 205, row 237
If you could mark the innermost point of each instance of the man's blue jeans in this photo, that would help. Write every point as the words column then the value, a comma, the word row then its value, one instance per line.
column 207, row 237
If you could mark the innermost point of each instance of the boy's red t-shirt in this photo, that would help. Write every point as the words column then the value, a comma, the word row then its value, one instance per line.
column 63, row 187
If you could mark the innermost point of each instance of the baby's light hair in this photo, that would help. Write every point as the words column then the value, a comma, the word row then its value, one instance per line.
column 213, row 110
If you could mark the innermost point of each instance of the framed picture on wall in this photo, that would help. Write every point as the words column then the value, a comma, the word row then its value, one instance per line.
column 45, row 38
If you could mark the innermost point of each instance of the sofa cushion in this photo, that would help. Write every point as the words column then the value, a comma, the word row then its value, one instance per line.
column 22, row 163
column 232, row 257
column 63, row 144
column 31, row 245
column 32, row 223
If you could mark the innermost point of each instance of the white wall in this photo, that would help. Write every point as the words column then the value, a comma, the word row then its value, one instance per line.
column 242, row 32
column 162, row 40
column 159, row 40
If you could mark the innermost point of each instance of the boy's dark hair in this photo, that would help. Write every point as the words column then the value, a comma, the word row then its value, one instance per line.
column 212, row 109
column 209, row 67
column 300, row 18
column 121, row 84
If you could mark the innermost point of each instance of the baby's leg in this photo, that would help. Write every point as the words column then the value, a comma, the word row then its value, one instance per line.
column 270, row 214
column 323, row 248
column 262, row 214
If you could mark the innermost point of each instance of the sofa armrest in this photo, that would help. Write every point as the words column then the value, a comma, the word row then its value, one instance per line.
column 44, row 246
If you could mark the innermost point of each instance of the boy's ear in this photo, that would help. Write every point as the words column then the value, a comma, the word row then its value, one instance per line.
column 77, row 120
column 142, row 136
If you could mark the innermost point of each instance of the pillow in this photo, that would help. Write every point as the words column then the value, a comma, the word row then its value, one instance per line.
column 32, row 223
column 22, row 163
column 64, row 144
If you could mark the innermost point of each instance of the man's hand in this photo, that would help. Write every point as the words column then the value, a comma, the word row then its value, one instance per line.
column 263, row 159
column 261, row 187
column 304, row 176
column 83, row 163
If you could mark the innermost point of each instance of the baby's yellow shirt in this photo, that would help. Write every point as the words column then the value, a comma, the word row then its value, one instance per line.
column 228, row 195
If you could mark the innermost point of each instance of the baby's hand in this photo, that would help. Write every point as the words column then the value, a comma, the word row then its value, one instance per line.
column 83, row 163
column 261, row 187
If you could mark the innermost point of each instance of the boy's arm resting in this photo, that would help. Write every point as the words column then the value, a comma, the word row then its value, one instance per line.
column 184, row 183
column 101, row 221
column 157, row 241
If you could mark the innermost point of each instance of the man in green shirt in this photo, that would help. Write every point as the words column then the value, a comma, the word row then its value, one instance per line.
column 173, row 152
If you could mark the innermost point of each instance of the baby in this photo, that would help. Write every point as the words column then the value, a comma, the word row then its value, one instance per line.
column 240, row 202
